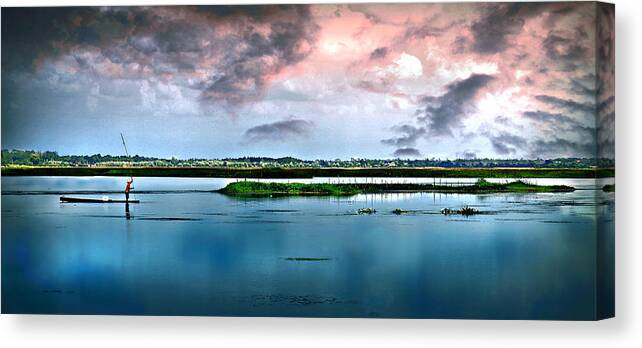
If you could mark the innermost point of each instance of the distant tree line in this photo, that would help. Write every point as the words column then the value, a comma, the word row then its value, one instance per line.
column 52, row 158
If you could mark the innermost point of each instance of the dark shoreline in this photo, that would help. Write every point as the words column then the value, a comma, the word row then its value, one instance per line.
column 306, row 173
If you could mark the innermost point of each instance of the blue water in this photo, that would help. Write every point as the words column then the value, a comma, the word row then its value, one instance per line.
column 187, row 251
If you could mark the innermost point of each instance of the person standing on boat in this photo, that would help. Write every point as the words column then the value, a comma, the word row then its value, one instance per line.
column 128, row 188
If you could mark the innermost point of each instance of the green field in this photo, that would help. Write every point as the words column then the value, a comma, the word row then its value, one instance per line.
column 254, row 188
column 293, row 173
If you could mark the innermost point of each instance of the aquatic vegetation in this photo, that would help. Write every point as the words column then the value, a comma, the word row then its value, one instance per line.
column 367, row 211
column 398, row 211
column 465, row 211
column 271, row 189
column 608, row 188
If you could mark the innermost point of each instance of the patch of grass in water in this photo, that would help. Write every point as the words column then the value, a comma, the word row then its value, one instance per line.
column 366, row 211
column 465, row 211
column 608, row 188
column 271, row 189
column 274, row 188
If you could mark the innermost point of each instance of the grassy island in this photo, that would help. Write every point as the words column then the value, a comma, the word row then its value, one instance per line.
column 608, row 188
column 253, row 188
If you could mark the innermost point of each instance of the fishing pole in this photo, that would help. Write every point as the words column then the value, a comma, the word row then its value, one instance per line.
column 131, row 174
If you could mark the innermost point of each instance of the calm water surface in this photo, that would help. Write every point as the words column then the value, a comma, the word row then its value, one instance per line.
column 187, row 251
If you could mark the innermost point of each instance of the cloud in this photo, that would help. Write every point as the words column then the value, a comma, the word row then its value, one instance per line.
column 278, row 131
column 558, row 147
column 505, row 143
column 567, row 49
column 406, row 152
column 440, row 115
column 547, row 117
column 566, row 104
column 444, row 113
column 560, row 47
column 491, row 32
column 379, row 53
column 605, row 64
column 584, row 86
column 229, row 54
column 428, row 28
column 409, row 137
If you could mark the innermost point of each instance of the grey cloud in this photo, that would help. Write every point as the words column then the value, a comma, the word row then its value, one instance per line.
column 378, row 53
column 605, row 64
column 566, row 104
column 491, row 31
column 444, row 113
column 562, row 148
column 406, row 152
column 543, row 116
column 440, row 115
column 566, row 48
column 606, row 128
column 409, row 137
column 428, row 28
column 278, row 131
column 584, row 87
column 559, row 122
column 505, row 143
column 167, row 40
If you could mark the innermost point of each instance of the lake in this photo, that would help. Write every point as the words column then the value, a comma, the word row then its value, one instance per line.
column 185, row 250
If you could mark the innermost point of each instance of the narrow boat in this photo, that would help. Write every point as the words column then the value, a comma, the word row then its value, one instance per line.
column 64, row 199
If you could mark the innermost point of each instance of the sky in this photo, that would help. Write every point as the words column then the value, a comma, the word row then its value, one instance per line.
column 468, row 80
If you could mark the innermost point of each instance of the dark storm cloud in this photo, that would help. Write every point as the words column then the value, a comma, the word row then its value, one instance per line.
column 406, row 152
column 245, row 75
column 262, row 41
column 378, row 53
column 32, row 33
column 278, row 131
column 409, row 136
column 490, row 33
column 444, row 113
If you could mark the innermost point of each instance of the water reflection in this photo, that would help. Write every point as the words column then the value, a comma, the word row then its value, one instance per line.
column 201, row 253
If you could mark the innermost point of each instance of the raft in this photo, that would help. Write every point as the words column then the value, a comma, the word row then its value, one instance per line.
column 64, row 199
